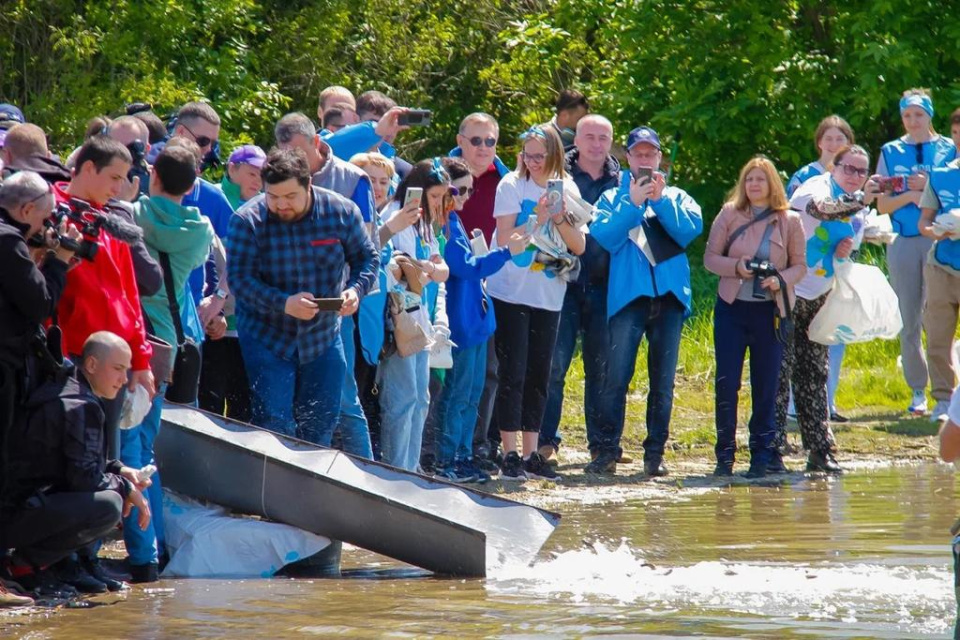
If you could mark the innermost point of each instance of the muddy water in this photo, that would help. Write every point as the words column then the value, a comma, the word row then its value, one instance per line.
column 864, row 556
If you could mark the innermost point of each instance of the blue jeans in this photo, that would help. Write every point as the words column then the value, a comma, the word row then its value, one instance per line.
column 584, row 314
column 457, row 407
column 404, row 401
column 661, row 321
column 353, row 423
column 736, row 328
column 292, row 398
column 136, row 451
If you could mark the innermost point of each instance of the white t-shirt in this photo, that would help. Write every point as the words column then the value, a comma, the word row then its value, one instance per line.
column 817, row 282
column 408, row 242
column 522, row 280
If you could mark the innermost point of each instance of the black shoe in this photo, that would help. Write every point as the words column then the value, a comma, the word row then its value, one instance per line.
column 488, row 466
column 836, row 417
column 512, row 467
column 723, row 470
column 537, row 467
column 69, row 571
column 756, row 471
column 776, row 466
column 45, row 584
column 140, row 573
column 93, row 567
column 825, row 462
column 654, row 468
column 603, row 465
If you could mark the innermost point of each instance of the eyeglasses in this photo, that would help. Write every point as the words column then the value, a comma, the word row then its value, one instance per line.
column 850, row 170
column 477, row 141
column 202, row 141
column 535, row 158
column 461, row 192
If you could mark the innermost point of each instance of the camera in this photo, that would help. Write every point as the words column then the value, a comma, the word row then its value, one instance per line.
column 760, row 269
column 139, row 168
column 84, row 249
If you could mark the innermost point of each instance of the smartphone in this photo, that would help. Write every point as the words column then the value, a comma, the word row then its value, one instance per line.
column 643, row 175
column 328, row 304
column 478, row 244
column 415, row 118
column 414, row 194
column 554, row 197
column 893, row 184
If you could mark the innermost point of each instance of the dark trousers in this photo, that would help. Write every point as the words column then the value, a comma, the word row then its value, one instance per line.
column 525, row 340
column 223, row 380
column 51, row 527
column 485, row 434
column 739, row 327
column 584, row 316
column 366, row 375
column 660, row 320
column 433, row 425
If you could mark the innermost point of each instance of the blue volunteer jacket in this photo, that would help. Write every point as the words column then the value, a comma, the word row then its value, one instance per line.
column 902, row 158
column 371, row 314
column 631, row 274
column 469, row 308
column 946, row 184
column 357, row 138
column 803, row 174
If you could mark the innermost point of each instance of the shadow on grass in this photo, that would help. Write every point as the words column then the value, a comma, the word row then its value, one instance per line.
column 913, row 427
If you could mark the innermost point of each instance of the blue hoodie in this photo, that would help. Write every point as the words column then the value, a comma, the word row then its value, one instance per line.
column 469, row 308
column 631, row 274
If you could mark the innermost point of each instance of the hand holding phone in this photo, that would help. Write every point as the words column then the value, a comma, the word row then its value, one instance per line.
column 415, row 118
column 554, row 197
column 643, row 175
column 327, row 304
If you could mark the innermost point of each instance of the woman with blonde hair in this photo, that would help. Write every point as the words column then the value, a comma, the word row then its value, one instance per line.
column 756, row 246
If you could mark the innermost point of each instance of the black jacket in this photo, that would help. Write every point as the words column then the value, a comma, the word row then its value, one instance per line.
column 595, row 260
column 59, row 445
column 28, row 295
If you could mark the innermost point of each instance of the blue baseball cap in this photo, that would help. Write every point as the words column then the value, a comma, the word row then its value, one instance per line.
column 643, row 134
column 10, row 115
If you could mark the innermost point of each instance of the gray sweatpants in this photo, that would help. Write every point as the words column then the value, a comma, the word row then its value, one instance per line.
column 906, row 258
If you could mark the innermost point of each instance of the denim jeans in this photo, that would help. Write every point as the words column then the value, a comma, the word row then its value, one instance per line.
column 293, row 398
column 353, row 423
column 404, row 401
column 584, row 315
column 136, row 451
column 738, row 327
column 457, row 407
column 661, row 321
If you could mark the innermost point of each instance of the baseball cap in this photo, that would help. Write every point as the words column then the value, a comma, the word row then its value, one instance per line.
column 248, row 154
column 10, row 115
column 643, row 134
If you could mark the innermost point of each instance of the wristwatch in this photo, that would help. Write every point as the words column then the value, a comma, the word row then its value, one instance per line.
column 220, row 293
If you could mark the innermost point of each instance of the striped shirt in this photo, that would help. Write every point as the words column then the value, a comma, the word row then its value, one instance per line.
column 271, row 260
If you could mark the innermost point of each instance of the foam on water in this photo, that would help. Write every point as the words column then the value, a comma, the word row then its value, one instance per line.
column 918, row 599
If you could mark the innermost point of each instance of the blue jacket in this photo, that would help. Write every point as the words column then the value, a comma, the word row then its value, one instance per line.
column 502, row 169
column 357, row 138
column 803, row 174
column 469, row 308
column 371, row 315
column 946, row 184
column 901, row 158
column 207, row 197
column 631, row 274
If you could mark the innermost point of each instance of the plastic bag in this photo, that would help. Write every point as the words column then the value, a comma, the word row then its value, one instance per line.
column 861, row 307
column 136, row 405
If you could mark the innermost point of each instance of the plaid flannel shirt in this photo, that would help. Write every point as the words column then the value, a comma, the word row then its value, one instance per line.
column 269, row 260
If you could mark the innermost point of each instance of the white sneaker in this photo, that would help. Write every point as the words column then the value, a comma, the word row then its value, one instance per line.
column 918, row 405
column 939, row 413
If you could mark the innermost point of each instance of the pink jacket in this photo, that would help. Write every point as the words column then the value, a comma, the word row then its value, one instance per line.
column 788, row 249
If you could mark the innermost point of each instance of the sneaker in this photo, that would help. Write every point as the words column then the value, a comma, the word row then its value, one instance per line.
column 465, row 471
column 918, row 404
column 548, row 453
column 481, row 476
column 538, row 468
column 604, row 464
column 939, row 413
column 655, row 468
column 487, row 466
column 723, row 470
column 512, row 468
column 756, row 471
column 45, row 584
column 453, row 474
column 836, row 417
column 776, row 466
column 140, row 573
column 825, row 462
column 9, row 599
column 70, row 572
column 93, row 567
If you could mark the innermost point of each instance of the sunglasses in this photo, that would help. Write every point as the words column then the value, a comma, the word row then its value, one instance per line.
column 461, row 192
column 202, row 141
column 477, row 141
column 534, row 157
column 854, row 171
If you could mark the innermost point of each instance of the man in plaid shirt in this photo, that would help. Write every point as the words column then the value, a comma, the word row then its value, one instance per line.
column 289, row 247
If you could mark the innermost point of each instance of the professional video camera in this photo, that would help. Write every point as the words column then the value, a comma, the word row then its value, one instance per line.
column 139, row 168
column 84, row 249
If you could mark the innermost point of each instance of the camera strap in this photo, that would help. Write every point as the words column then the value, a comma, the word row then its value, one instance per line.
column 742, row 228
column 172, row 298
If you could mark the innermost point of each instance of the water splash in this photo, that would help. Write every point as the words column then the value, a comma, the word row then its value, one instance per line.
column 918, row 599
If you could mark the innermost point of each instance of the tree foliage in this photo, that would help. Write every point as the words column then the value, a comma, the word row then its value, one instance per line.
column 732, row 78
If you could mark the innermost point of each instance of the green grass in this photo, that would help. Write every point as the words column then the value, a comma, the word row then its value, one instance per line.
column 872, row 391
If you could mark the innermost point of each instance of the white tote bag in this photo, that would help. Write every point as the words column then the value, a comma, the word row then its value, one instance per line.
column 861, row 307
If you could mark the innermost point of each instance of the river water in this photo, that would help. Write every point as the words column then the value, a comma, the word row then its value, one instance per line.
column 863, row 556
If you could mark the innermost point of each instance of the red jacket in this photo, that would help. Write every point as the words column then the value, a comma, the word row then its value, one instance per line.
column 102, row 296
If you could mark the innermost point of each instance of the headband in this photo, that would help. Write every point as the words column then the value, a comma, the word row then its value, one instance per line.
column 924, row 102
column 533, row 132
column 438, row 172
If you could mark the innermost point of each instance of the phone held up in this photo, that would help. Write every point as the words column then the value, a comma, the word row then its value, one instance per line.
column 415, row 118
column 414, row 194
column 554, row 197
column 893, row 184
column 643, row 175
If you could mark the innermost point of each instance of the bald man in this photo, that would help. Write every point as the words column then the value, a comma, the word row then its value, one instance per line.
column 60, row 493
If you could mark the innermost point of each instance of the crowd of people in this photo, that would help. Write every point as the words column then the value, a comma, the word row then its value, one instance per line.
column 423, row 314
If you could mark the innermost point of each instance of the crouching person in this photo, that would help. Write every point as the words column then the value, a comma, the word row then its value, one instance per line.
column 61, row 494
column 646, row 226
